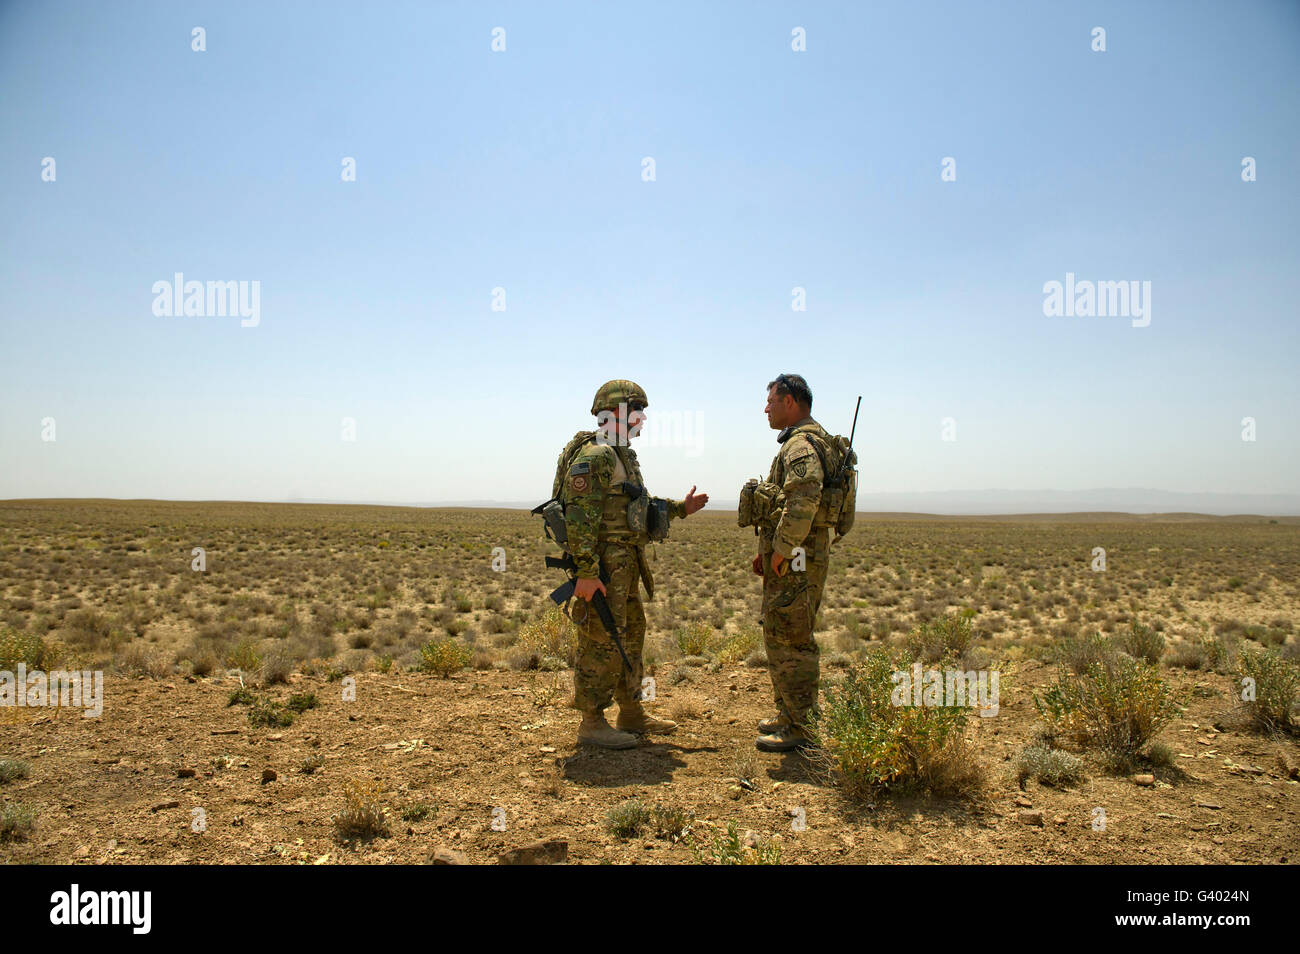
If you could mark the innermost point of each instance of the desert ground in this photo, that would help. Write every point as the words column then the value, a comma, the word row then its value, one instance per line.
column 363, row 685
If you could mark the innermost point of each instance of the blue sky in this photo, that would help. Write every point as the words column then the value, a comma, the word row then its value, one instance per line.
column 522, row 170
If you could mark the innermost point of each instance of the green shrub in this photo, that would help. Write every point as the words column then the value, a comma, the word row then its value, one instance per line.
column 949, row 636
column 1142, row 642
column 1116, row 707
column 868, row 743
column 269, row 714
column 738, row 646
column 728, row 849
column 694, row 639
column 1078, row 655
column 17, row 646
column 1276, row 683
column 12, row 769
column 672, row 822
column 416, row 812
column 627, row 819
column 301, row 702
column 16, row 821
column 245, row 656
column 444, row 656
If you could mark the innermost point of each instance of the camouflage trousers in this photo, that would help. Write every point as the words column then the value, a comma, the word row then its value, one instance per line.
column 599, row 676
column 790, row 605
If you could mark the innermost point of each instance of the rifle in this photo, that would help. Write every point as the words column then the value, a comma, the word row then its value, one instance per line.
column 553, row 514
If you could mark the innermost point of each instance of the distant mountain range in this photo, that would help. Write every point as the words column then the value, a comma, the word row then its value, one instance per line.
column 975, row 502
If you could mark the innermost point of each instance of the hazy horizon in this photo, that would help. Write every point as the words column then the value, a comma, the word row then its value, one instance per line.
column 442, row 249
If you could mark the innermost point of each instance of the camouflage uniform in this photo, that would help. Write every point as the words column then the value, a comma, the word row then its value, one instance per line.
column 791, row 601
column 596, row 497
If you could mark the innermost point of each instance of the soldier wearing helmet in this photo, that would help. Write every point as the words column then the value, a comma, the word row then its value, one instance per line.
column 598, row 480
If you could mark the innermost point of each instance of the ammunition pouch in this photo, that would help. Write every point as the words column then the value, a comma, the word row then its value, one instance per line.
column 552, row 512
column 657, row 520
column 760, row 500
column 638, row 513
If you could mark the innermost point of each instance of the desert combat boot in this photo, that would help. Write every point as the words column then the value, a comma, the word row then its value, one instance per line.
column 596, row 731
column 776, row 724
column 632, row 717
column 785, row 740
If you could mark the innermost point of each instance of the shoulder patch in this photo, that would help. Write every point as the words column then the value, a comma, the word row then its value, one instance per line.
column 800, row 467
column 580, row 483
column 581, row 467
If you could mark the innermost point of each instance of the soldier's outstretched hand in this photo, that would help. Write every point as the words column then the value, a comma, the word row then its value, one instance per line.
column 695, row 501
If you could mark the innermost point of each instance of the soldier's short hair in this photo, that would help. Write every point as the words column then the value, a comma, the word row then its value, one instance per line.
column 795, row 386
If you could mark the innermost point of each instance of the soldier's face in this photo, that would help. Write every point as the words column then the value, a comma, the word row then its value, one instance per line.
column 778, row 409
column 618, row 427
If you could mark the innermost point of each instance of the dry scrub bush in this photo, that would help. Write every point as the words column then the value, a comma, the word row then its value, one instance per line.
column 868, row 744
column 444, row 656
column 1142, row 642
column 949, row 635
column 1274, row 684
column 1116, row 706
column 363, row 816
column 551, row 634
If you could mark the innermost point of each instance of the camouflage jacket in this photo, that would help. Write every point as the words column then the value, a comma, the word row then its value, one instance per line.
column 797, row 470
column 595, row 497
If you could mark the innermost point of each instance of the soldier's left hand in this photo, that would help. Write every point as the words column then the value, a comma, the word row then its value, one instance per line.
column 694, row 501
column 777, row 562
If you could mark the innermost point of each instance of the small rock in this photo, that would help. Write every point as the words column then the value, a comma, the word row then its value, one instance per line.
column 83, row 851
column 550, row 852
column 734, row 792
column 185, row 773
column 1031, row 818
column 162, row 805
column 751, row 839
column 1024, row 802
column 1213, row 805
column 448, row 856
column 268, row 775
column 1144, row 780
column 1059, row 820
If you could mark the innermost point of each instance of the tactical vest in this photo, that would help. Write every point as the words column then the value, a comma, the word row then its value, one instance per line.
column 615, row 524
column 838, row 503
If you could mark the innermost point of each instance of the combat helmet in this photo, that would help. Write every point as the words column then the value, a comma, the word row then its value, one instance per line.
column 613, row 393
